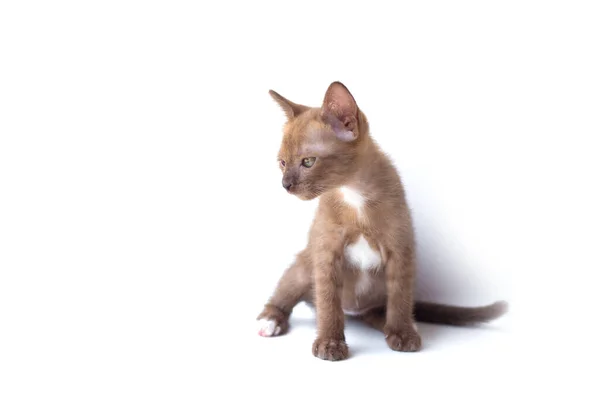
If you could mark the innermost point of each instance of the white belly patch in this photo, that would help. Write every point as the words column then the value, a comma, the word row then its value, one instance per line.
column 361, row 255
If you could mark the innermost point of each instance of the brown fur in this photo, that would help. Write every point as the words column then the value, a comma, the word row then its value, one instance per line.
column 337, row 134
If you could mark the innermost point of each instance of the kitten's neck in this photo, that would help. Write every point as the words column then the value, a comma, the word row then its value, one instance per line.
column 367, row 166
column 360, row 183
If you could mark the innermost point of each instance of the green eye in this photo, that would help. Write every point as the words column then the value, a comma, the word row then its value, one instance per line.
column 308, row 162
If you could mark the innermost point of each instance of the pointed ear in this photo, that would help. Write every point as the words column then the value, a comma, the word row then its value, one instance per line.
column 290, row 108
column 341, row 112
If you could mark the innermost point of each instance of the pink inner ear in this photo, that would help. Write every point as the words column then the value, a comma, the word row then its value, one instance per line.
column 339, row 102
column 340, row 111
column 341, row 131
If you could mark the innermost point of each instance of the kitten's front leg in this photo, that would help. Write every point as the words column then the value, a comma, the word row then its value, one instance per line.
column 331, row 342
column 400, row 329
column 293, row 285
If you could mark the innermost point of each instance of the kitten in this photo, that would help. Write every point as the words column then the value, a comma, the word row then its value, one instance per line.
column 360, row 256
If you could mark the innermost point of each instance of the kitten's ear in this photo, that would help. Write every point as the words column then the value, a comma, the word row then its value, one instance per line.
column 341, row 112
column 290, row 108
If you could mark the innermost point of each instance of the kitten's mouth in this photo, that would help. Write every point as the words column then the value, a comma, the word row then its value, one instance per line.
column 303, row 192
column 306, row 194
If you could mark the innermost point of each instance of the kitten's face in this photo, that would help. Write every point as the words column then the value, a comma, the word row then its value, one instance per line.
column 319, row 146
column 311, row 157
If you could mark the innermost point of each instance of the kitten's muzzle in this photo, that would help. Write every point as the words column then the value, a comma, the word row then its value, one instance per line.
column 286, row 183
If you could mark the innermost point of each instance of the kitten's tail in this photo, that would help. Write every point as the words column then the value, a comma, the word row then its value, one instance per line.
column 454, row 315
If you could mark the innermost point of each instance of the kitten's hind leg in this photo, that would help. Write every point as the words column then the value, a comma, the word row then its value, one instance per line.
column 292, row 287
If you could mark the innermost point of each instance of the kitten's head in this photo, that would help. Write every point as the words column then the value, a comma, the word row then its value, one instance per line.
column 320, row 146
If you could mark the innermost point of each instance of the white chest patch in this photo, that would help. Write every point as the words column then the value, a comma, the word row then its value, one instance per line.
column 352, row 198
column 361, row 255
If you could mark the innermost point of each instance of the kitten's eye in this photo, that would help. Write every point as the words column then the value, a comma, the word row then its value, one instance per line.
column 308, row 162
column 282, row 163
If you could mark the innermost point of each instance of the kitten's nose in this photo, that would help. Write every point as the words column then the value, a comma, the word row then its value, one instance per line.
column 286, row 184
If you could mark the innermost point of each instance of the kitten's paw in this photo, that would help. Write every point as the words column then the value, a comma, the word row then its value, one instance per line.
column 269, row 327
column 330, row 349
column 406, row 339
column 272, row 322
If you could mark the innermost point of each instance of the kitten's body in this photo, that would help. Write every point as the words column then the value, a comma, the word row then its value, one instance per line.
column 360, row 256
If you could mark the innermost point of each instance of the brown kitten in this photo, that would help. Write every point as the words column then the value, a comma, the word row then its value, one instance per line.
column 360, row 256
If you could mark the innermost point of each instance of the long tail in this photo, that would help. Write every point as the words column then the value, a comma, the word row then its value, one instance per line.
column 454, row 315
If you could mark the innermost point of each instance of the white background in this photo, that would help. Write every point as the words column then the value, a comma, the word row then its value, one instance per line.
column 143, row 224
